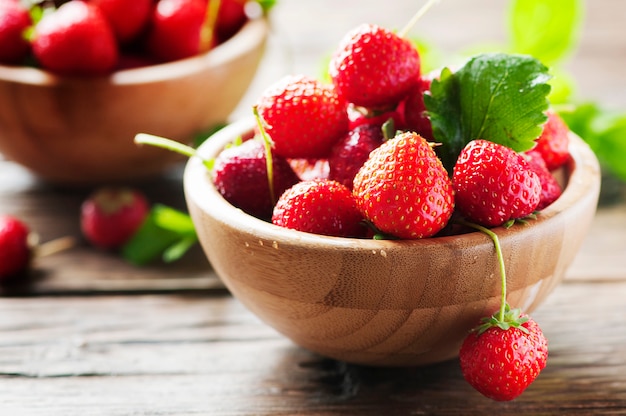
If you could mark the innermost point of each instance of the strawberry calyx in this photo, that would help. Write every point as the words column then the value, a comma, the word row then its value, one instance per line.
column 511, row 318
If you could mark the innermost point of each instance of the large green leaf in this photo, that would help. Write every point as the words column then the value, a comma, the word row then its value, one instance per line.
column 497, row 97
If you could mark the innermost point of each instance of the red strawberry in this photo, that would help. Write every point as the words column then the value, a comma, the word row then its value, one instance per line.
column 550, row 188
column 240, row 175
column 415, row 116
column 319, row 206
column 403, row 188
column 175, row 29
column 553, row 144
column 127, row 18
column 15, row 252
column 349, row 154
column 76, row 39
column 231, row 17
column 303, row 116
column 373, row 67
column 501, row 360
column 493, row 184
column 14, row 20
column 111, row 216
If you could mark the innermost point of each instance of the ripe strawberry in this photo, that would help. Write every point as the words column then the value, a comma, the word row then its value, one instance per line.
column 501, row 359
column 319, row 206
column 349, row 154
column 303, row 117
column 175, row 29
column 127, row 18
column 240, row 175
column 14, row 20
column 110, row 216
column 403, row 188
column 554, row 141
column 493, row 184
column 373, row 67
column 550, row 188
column 415, row 116
column 15, row 252
column 231, row 17
column 76, row 39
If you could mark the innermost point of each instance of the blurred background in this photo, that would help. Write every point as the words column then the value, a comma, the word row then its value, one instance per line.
column 306, row 32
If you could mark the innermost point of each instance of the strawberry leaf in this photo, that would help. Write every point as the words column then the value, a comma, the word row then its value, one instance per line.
column 166, row 233
column 497, row 97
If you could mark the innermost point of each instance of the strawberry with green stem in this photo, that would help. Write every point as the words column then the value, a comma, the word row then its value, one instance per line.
column 506, row 352
column 374, row 67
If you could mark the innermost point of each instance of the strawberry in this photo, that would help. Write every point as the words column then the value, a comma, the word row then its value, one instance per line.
column 550, row 187
column 501, row 358
column 373, row 67
column 349, row 154
column 14, row 20
column 231, row 17
column 15, row 252
column 554, row 141
column 494, row 184
column 403, row 188
column 414, row 108
column 303, row 117
column 175, row 29
column 240, row 175
column 110, row 216
column 319, row 206
column 76, row 39
column 127, row 18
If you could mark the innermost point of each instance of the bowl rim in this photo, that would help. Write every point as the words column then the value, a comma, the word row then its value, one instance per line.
column 252, row 35
column 583, row 182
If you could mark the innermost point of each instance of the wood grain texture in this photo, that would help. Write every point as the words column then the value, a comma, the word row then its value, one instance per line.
column 190, row 355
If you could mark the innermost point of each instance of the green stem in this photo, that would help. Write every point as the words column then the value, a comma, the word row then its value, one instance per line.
column 207, row 32
column 496, row 243
column 169, row 144
column 269, row 165
column 417, row 16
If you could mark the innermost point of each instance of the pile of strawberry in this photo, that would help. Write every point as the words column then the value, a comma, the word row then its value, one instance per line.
column 387, row 151
column 95, row 37
column 362, row 150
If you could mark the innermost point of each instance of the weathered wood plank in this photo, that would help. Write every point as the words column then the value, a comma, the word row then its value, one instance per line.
column 184, row 355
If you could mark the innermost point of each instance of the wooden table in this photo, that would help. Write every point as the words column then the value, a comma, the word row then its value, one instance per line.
column 92, row 335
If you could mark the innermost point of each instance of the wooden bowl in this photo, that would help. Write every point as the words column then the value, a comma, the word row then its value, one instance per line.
column 386, row 303
column 81, row 130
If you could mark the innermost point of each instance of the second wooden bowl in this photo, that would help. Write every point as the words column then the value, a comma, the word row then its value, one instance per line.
column 71, row 130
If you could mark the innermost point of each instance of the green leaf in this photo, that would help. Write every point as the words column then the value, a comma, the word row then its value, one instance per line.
column 545, row 29
column 267, row 5
column 166, row 233
column 497, row 97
